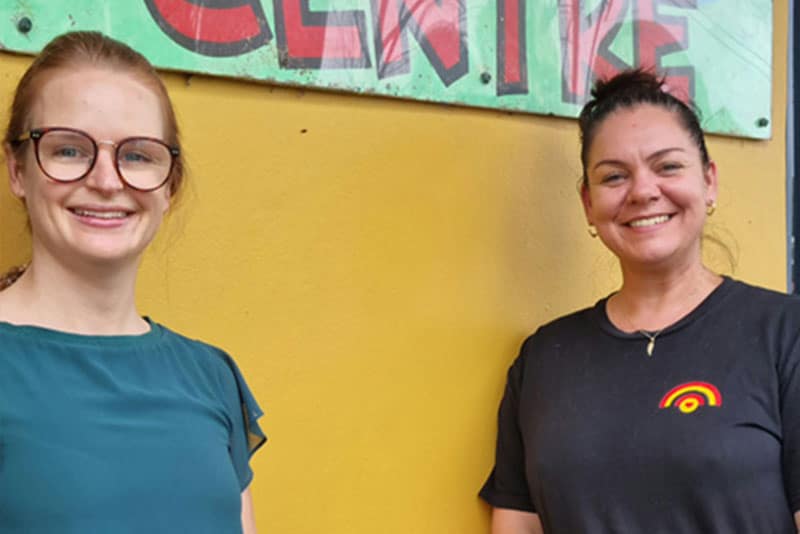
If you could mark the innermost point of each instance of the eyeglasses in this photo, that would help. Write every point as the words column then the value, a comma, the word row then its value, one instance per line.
column 68, row 155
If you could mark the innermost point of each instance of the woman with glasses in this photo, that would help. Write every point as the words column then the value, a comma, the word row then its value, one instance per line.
column 672, row 405
column 109, row 422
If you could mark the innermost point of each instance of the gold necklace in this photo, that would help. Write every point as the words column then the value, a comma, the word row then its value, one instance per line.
column 651, row 336
column 651, row 343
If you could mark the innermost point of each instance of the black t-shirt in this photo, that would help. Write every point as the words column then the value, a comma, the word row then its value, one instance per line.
column 701, row 437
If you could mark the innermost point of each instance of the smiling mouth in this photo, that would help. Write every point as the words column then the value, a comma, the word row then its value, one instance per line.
column 649, row 221
column 100, row 214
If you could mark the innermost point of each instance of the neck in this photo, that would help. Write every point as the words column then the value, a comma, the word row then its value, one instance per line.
column 652, row 300
column 90, row 299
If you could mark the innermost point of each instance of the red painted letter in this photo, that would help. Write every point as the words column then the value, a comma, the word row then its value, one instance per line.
column 230, row 28
column 440, row 27
column 585, row 42
column 512, row 56
column 656, row 35
column 320, row 39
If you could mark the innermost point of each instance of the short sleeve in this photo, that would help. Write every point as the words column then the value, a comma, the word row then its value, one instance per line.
column 507, row 486
column 246, row 434
column 789, row 373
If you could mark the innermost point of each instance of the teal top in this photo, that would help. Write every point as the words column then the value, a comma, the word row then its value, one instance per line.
column 121, row 434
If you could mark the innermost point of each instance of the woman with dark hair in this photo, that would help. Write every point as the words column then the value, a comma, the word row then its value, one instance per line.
column 672, row 405
column 109, row 422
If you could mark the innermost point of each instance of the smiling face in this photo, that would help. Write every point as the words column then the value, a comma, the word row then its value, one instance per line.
column 647, row 189
column 95, row 219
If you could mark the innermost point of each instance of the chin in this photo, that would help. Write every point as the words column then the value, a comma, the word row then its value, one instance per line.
column 111, row 254
column 653, row 255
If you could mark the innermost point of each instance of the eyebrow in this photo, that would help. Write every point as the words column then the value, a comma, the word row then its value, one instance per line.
column 655, row 155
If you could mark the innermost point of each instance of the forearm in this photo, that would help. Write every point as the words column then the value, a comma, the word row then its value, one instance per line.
column 505, row 521
column 248, row 517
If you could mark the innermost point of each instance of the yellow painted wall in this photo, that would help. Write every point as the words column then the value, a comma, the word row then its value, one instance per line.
column 373, row 265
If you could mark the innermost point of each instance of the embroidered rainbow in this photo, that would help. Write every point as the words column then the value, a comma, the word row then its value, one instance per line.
column 690, row 396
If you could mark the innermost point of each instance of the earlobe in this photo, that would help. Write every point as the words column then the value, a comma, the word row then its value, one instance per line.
column 586, row 200
column 711, row 181
column 167, row 201
column 14, row 172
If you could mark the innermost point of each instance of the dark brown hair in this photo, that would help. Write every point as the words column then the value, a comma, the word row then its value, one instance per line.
column 81, row 49
column 629, row 89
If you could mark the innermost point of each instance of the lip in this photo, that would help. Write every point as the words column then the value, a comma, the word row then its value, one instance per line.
column 101, row 216
column 646, row 222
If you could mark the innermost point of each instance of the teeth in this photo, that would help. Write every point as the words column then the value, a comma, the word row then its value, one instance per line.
column 100, row 214
column 649, row 221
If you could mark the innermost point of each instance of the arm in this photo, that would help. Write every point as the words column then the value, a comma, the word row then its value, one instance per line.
column 797, row 521
column 248, row 518
column 506, row 489
column 506, row 521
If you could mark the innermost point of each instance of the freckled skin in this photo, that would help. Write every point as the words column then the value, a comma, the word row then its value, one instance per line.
column 109, row 106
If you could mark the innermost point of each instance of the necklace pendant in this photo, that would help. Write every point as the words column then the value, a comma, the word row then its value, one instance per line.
column 651, row 345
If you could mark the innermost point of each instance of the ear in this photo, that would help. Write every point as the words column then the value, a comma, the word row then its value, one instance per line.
column 711, row 182
column 167, row 198
column 586, row 200
column 14, row 167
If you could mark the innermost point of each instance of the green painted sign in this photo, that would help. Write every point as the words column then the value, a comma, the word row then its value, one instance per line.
column 537, row 56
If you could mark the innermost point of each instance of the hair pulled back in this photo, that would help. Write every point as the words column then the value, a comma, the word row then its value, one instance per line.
column 71, row 51
column 628, row 89
column 93, row 49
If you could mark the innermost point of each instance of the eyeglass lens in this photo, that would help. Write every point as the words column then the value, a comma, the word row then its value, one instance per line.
column 66, row 155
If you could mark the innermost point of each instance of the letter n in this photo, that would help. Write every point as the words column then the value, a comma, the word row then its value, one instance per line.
column 439, row 26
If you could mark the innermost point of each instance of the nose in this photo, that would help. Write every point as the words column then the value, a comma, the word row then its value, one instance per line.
column 644, row 187
column 104, row 176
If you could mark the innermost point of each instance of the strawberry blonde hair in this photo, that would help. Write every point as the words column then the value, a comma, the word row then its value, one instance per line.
column 86, row 49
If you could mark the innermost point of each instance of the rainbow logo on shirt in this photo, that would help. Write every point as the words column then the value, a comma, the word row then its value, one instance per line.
column 690, row 396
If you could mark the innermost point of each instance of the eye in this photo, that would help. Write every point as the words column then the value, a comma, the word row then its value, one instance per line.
column 135, row 157
column 612, row 178
column 67, row 152
column 142, row 153
column 670, row 167
column 65, row 147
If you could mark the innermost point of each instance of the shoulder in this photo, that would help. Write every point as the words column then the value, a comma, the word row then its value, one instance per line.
column 560, row 336
column 743, row 289
column 757, row 318
column 200, row 353
column 758, row 301
column 565, row 328
column 214, row 362
column 183, row 342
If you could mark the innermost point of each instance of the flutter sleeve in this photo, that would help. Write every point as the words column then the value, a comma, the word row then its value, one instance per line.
column 507, row 486
column 246, row 434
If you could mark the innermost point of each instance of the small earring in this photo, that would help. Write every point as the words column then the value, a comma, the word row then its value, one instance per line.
column 711, row 207
column 592, row 230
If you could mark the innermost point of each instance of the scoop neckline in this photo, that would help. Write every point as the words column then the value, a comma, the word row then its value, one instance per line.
column 44, row 334
column 708, row 303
